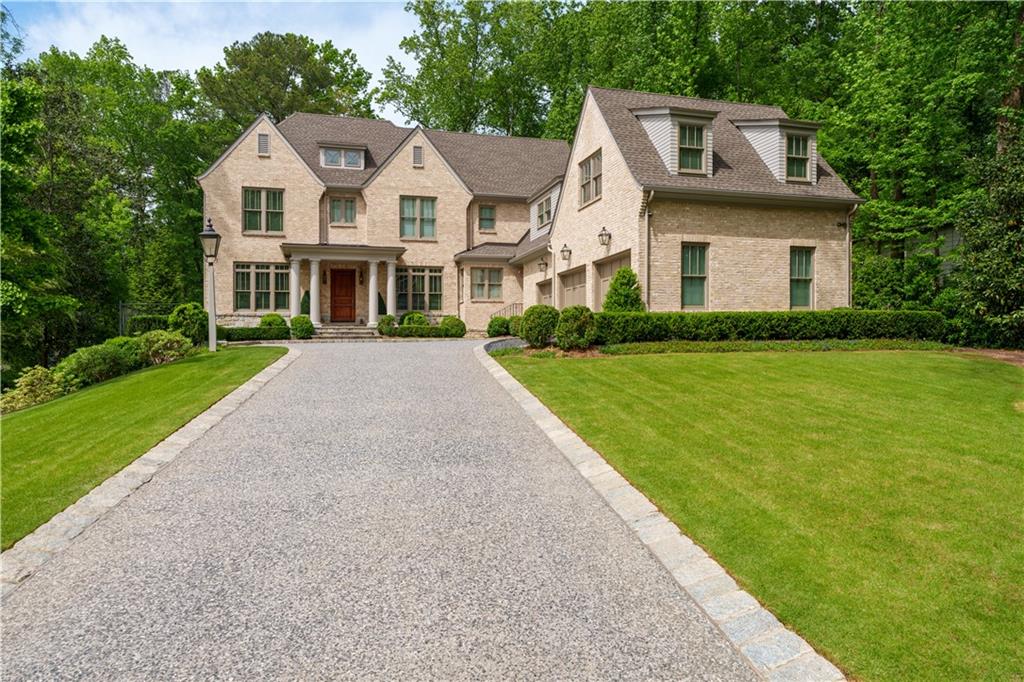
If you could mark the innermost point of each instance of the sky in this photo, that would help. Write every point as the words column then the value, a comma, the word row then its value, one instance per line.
column 189, row 35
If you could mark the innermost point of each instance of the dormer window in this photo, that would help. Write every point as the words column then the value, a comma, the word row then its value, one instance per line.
column 797, row 157
column 691, row 148
column 337, row 157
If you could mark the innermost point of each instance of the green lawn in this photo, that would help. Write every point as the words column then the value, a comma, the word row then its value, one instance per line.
column 874, row 501
column 57, row 452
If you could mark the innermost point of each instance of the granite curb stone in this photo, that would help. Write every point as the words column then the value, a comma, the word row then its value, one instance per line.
column 27, row 555
column 774, row 652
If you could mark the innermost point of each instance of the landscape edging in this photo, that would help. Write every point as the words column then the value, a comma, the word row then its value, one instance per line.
column 35, row 549
column 774, row 652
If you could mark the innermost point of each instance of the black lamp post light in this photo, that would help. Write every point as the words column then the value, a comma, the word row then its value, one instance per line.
column 604, row 236
column 211, row 244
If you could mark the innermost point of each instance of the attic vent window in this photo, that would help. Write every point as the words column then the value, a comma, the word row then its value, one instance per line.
column 691, row 148
column 417, row 157
column 263, row 144
column 797, row 159
column 335, row 157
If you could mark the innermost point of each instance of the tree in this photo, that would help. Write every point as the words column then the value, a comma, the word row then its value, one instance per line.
column 624, row 295
column 281, row 74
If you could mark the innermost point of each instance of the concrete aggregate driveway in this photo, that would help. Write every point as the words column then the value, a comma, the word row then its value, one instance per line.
column 377, row 511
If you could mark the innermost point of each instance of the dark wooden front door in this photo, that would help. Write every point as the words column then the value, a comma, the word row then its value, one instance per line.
column 343, row 295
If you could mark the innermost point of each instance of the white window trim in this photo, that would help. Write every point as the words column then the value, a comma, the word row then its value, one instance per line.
column 343, row 151
column 542, row 211
column 706, row 276
column 806, row 177
column 592, row 181
column 419, row 219
column 680, row 147
column 487, row 285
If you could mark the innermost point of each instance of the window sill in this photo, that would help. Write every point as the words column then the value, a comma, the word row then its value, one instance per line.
column 254, row 233
column 589, row 203
column 488, row 231
column 688, row 171
column 800, row 181
column 342, row 225
column 417, row 239
column 486, row 300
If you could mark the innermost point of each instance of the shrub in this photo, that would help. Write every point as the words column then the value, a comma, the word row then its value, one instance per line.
column 35, row 385
column 132, row 347
column 498, row 326
column 304, row 304
column 538, row 325
column 824, row 324
column 453, row 327
column 302, row 328
column 190, row 319
column 273, row 320
column 160, row 347
column 413, row 317
column 413, row 330
column 624, row 293
column 140, row 324
column 253, row 333
column 93, row 364
column 514, row 323
column 385, row 324
column 576, row 329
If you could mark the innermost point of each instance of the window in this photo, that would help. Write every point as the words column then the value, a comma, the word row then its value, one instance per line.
column 801, row 277
column 590, row 179
column 343, row 211
column 262, row 210
column 261, row 286
column 341, row 158
column 691, row 148
column 417, row 217
column 797, row 160
column 487, row 218
column 263, row 144
column 574, row 288
column 486, row 284
column 544, row 212
column 695, row 276
column 418, row 288
column 417, row 156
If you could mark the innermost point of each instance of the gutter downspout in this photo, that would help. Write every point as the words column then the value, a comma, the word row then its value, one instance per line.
column 849, row 256
column 554, row 272
column 647, row 250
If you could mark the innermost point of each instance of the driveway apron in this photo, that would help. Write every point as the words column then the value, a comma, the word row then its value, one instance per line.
column 377, row 511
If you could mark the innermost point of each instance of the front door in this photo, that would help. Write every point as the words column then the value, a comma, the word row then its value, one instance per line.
column 343, row 295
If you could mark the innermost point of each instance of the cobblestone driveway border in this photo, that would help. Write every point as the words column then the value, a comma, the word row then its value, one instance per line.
column 775, row 652
column 45, row 542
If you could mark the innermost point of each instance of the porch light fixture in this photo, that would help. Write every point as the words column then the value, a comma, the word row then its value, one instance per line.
column 604, row 236
column 211, row 244
column 566, row 252
column 542, row 265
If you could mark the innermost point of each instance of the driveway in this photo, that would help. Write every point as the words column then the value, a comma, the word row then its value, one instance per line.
column 380, row 510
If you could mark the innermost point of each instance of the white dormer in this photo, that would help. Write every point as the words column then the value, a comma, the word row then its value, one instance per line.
column 352, row 157
column 542, row 209
column 682, row 137
column 789, row 148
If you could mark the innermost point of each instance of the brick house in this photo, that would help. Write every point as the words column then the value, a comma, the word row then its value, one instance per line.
column 715, row 205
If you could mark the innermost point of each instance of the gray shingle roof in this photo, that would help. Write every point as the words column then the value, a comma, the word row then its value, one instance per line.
column 527, row 246
column 737, row 167
column 498, row 251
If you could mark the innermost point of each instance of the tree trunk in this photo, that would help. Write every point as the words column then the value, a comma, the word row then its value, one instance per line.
column 1013, row 96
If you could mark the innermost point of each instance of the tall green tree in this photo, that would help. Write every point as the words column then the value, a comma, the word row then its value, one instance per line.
column 284, row 73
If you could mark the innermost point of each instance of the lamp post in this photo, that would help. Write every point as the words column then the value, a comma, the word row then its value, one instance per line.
column 211, row 243
column 604, row 236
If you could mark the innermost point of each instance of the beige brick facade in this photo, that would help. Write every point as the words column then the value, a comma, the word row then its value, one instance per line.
column 476, row 312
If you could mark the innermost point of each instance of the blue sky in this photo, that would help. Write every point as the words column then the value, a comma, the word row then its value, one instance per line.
column 191, row 35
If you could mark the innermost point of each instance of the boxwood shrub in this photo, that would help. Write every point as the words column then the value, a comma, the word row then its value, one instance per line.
column 191, row 320
column 538, row 325
column 302, row 327
column 497, row 326
column 820, row 324
column 413, row 330
column 253, row 333
column 385, row 323
column 273, row 320
column 140, row 324
column 513, row 324
column 453, row 327
column 413, row 317
column 576, row 329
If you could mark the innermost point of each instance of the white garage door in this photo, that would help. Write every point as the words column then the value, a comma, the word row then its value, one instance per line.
column 605, row 271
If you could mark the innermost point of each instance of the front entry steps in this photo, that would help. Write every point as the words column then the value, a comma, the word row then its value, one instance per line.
column 345, row 331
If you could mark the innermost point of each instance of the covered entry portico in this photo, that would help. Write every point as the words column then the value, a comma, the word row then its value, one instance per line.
column 345, row 264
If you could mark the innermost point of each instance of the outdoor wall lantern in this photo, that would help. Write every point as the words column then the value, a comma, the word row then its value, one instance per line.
column 604, row 236
column 542, row 265
column 211, row 244
column 566, row 252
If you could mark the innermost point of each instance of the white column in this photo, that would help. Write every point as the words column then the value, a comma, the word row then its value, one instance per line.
column 371, row 317
column 294, row 295
column 314, row 291
column 392, row 305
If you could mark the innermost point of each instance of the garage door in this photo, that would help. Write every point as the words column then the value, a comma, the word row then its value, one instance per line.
column 574, row 288
column 605, row 271
column 544, row 292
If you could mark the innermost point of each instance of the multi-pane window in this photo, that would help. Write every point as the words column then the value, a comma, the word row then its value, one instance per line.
column 343, row 211
column 261, row 286
column 341, row 158
column 262, row 210
column 418, row 288
column 590, row 178
column 417, row 217
column 691, row 148
column 487, row 284
column 695, row 275
column 797, row 159
column 487, row 221
column 544, row 212
column 801, row 277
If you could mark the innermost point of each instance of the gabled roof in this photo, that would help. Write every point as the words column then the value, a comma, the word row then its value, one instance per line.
column 488, row 251
column 238, row 141
column 527, row 246
column 308, row 132
column 501, row 166
column 737, row 167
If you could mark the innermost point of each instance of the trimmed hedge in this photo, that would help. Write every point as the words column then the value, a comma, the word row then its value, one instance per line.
column 273, row 320
column 140, row 324
column 450, row 327
column 755, row 326
column 385, row 323
column 497, row 326
column 513, row 324
column 413, row 317
column 253, row 333
column 191, row 320
column 576, row 328
column 302, row 327
column 453, row 327
column 424, row 330
column 538, row 325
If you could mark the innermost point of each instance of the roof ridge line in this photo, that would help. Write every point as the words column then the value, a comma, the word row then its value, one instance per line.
column 704, row 99
column 503, row 137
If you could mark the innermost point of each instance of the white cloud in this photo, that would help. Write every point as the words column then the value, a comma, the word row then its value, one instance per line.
column 192, row 35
